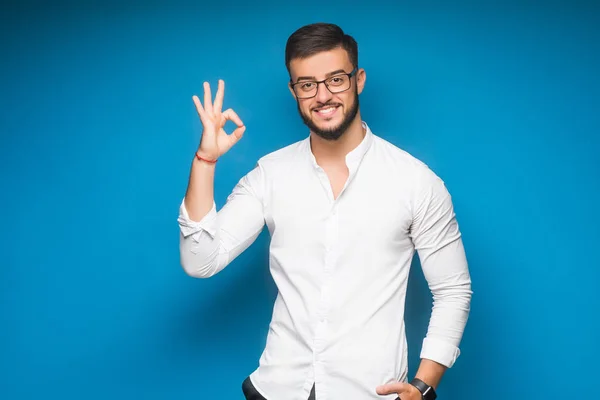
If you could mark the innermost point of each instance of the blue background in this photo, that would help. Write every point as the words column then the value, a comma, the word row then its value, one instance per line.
column 98, row 130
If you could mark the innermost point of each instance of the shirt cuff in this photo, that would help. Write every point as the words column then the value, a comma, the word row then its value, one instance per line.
column 439, row 351
column 207, row 224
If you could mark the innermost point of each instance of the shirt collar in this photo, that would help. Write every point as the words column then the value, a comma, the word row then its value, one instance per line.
column 354, row 157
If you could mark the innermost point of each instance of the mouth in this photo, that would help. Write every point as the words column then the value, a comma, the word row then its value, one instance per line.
column 326, row 112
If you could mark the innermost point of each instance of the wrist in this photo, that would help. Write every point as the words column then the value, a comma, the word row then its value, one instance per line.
column 205, row 159
column 427, row 391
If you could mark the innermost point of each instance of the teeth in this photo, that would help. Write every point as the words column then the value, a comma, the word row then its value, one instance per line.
column 326, row 110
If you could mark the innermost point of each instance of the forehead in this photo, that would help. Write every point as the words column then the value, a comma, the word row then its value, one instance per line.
column 318, row 65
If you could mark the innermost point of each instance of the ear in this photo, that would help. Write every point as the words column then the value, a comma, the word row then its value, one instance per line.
column 361, row 78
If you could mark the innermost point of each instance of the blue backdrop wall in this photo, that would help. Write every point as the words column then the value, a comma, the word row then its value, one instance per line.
column 98, row 130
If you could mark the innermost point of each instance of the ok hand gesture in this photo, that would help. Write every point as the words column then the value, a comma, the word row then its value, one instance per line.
column 215, row 141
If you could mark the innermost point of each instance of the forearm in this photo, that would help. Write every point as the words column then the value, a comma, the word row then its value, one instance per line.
column 430, row 372
column 199, row 197
column 199, row 252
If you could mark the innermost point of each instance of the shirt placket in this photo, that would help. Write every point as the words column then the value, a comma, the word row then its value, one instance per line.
column 331, row 235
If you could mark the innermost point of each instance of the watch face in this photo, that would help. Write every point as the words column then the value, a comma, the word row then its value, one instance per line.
column 429, row 394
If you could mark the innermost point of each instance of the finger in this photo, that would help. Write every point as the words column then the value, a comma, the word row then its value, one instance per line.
column 236, row 135
column 207, row 98
column 219, row 97
column 233, row 117
column 393, row 388
column 199, row 108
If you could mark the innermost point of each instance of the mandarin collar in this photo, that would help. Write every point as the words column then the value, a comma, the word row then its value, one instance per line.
column 354, row 157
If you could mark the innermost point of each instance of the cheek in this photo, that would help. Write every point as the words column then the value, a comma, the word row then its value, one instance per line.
column 346, row 103
column 305, row 106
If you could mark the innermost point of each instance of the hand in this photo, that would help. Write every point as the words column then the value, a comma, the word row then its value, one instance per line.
column 405, row 391
column 215, row 141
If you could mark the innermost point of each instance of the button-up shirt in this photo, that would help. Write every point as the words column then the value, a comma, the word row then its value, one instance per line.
column 341, row 266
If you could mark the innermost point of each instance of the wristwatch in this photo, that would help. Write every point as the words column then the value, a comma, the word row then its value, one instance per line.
column 427, row 391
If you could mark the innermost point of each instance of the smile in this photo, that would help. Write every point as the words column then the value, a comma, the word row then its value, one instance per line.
column 326, row 111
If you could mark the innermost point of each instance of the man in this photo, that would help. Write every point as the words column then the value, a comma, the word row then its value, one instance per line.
column 346, row 211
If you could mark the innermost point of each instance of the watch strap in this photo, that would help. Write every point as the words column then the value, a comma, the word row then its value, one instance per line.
column 427, row 392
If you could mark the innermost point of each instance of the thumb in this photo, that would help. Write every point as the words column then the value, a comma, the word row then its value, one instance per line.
column 393, row 388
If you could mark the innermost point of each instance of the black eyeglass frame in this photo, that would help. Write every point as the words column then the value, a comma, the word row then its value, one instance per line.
column 324, row 81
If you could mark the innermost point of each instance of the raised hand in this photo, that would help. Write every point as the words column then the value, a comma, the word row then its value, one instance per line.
column 215, row 141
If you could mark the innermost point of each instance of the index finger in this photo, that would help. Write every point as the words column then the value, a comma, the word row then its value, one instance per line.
column 232, row 116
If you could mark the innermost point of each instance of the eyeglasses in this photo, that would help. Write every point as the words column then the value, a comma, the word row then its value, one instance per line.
column 335, row 84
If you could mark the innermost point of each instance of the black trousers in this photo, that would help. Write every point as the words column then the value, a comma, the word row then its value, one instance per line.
column 252, row 394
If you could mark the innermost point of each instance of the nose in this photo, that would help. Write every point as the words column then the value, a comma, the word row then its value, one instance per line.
column 323, row 94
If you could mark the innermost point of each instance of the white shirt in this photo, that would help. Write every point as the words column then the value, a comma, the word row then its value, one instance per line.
column 341, row 266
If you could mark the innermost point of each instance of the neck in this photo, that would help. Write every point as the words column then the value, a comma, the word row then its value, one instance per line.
column 336, row 150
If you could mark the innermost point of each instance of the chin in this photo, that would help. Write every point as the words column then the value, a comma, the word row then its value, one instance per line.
column 330, row 125
column 329, row 132
column 334, row 128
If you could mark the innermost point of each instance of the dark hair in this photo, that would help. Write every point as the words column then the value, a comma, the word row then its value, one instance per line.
column 315, row 38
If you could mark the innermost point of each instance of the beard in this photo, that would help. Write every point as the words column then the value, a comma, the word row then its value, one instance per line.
column 335, row 132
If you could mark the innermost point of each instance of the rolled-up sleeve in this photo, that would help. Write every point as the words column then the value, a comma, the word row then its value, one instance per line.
column 437, row 239
column 207, row 225
column 209, row 245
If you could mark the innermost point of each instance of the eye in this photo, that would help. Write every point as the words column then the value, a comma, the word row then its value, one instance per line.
column 337, row 80
column 306, row 86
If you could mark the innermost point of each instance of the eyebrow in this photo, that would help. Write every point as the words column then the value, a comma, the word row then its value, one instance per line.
column 312, row 78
